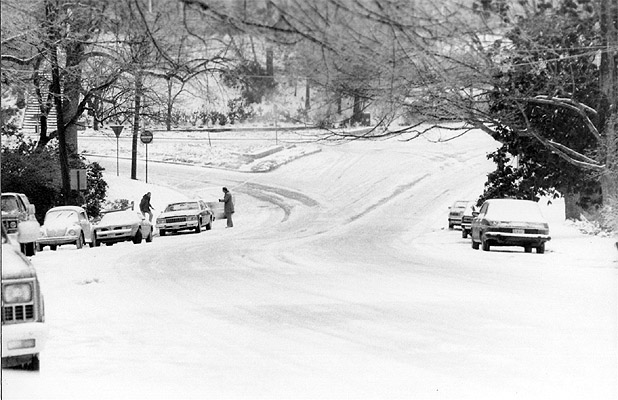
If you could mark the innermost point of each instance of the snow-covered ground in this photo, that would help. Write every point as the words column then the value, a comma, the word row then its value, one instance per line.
column 339, row 280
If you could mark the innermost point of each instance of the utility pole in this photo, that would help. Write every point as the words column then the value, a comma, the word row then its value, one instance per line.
column 136, row 122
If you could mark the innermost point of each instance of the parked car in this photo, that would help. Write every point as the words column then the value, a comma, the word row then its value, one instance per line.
column 24, row 331
column 16, row 209
column 510, row 222
column 466, row 219
column 121, row 226
column 185, row 215
column 455, row 212
column 65, row 225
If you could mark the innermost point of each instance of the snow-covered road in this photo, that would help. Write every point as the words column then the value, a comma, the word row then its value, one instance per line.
column 339, row 280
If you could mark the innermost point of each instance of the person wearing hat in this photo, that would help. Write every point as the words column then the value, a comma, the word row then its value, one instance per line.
column 228, row 206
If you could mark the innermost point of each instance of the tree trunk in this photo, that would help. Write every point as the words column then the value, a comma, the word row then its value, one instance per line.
column 170, row 106
column 609, row 86
column 136, row 123
column 571, row 209
column 62, row 147
column 307, row 96
column 357, row 110
column 71, row 95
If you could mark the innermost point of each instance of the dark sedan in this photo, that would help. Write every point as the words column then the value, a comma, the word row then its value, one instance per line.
column 510, row 222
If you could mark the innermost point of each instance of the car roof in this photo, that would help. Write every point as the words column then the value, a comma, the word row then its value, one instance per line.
column 67, row 208
column 508, row 200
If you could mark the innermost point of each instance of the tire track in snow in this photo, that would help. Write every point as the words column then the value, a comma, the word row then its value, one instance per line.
column 277, row 196
column 398, row 191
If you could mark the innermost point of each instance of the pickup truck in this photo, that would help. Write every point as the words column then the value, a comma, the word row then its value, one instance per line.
column 18, row 217
column 24, row 332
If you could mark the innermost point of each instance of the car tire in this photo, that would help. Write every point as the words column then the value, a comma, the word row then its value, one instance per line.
column 162, row 232
column 149, row 237
column 198, row 228
column 79, row 243
column 29, row 249
column 540, row 249
column 95, row 242
column 485, row 244
column 34, row 364
column 450, row 226
column 137, row 239
column 475, row 245
column 528, row 249
column 209, row 225
column 53, row 247
column 464, row 234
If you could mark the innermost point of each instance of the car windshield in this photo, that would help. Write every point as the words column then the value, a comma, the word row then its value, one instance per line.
column 460, row 205
column 61, row 215
column 182, row 206
column 516, row 210
column 119, row 218
column 9, row 204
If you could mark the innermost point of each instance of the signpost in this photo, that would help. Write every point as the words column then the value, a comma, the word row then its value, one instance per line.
column 117, row 130
column 146, row 137
column 78, row 179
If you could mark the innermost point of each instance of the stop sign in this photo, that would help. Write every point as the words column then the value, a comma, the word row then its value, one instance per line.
column 146, row 137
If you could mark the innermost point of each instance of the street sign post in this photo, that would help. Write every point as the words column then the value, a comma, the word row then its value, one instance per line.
column 78, row 179
column 146, row 137
column 117, row 130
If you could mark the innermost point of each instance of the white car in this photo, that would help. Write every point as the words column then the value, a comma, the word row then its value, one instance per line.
column 185, row 215
column 24, row 332
column 65, row 225
column 122, row 226
column 455, row 213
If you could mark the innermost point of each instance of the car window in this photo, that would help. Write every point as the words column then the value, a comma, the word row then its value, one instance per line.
column 516, row 210
column 24, row 200
column 9, row 204
column 483, row 209
column 119, row 218
column 182, row 206
column 63, row 215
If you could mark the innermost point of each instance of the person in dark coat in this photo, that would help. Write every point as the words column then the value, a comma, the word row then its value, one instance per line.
column 228, row 206
column 145, row 207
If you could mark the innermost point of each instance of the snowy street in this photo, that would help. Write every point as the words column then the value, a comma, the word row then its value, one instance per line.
column 339, row 280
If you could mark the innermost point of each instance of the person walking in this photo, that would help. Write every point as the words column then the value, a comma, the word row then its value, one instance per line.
column 145, row 206
column 228, row 206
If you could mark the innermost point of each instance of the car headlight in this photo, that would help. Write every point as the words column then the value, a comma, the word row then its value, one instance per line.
column 192, row 218
column 160, row 221
column 72, row 232
column 13, row 224
column 17, row 293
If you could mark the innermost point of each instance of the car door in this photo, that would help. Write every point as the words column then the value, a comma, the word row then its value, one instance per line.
column 86, row 226
column 203, row 213
column 476, row 230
